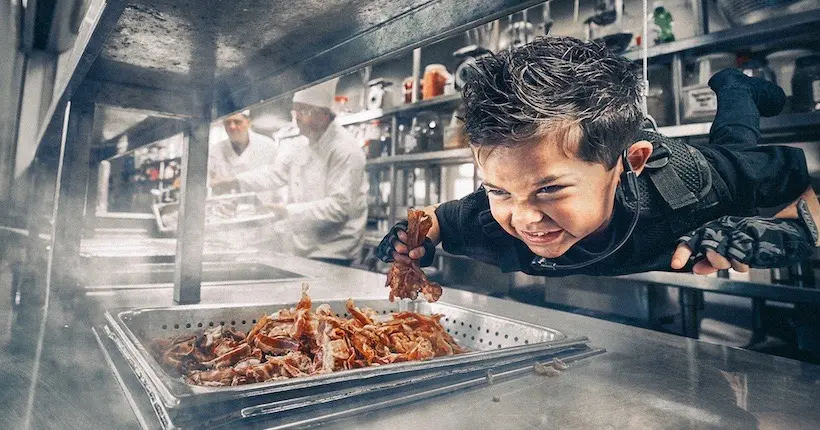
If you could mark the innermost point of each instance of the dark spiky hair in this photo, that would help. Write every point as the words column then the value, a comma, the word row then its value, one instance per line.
column 551, row 85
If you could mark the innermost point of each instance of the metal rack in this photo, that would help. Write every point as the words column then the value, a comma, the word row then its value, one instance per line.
column 212, row 66
column 212, row 61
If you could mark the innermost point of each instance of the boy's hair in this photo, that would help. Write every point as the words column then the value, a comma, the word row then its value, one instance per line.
column 555, row 85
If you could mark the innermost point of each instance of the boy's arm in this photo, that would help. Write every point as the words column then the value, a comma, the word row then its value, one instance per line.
column 743, row 242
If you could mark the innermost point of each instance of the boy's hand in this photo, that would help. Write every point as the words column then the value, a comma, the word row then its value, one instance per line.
column 393, row 247
column 747, row 242
column 705, row 266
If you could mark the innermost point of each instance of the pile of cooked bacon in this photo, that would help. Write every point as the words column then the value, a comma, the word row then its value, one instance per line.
column 300, row 341
column 406, row 280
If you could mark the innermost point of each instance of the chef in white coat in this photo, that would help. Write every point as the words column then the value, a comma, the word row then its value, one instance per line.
column 326, row 209
column 243, row 151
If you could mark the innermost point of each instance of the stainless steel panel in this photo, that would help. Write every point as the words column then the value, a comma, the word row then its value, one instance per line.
column 158, row 275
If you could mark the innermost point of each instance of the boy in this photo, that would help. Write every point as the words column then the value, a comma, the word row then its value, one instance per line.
column 572, row 185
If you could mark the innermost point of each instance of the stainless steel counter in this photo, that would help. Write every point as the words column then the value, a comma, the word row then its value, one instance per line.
column 645, row 380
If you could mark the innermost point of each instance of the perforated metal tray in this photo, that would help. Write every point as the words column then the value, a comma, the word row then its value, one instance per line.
column 489, row 337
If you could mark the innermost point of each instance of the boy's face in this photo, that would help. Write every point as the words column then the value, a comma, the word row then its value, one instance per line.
column 547, row 197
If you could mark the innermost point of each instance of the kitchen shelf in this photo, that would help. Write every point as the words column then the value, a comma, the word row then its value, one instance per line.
column 790, row 122
column 432, row 157
column 436, row 102
column 403, row 110
column 158, row 162
column 360, row 117
column 733, row 38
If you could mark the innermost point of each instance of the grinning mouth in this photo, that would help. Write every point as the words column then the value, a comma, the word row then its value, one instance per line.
column 540, row 237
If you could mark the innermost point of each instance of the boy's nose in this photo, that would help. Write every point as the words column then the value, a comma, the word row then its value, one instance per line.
column 525, row 214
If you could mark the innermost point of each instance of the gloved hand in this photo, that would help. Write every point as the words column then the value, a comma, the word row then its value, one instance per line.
column 393, row 247
column 749, row 242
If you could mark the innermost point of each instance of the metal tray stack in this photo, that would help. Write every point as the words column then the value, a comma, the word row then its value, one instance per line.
column 496, row 343
column 224, row 223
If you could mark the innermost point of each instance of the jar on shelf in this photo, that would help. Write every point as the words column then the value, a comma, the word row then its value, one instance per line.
column 806, row 84
column 407, row 88
column 454, row 134
column 435, row 79
column 428, row 131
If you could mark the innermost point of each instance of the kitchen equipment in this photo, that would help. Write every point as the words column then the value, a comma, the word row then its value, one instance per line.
column 377, row 139
column 744, row 12
column 517, row 34
column 606, row 20
column 493, row 340
column 782, row 64
column 435, row 78
column 467, row 57
column 699, row 101
column 236, row 219
column 757, row 68
column 616, row 42
column 806, row 84
column 159, row 275
column 428, row 131
column 378, row 97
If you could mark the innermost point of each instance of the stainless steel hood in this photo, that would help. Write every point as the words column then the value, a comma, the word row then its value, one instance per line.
column 268, row 49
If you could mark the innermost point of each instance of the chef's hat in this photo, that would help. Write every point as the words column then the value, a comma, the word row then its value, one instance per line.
column 246, row 112
column 320, row 95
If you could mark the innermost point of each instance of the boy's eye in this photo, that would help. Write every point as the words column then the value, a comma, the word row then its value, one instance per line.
column 493, row 192
column 551, row 189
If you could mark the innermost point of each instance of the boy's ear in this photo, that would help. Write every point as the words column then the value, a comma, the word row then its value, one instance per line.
column 637, row 155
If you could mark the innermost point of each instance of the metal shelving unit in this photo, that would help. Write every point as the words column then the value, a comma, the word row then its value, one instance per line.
column 732, row 38
column 784, row 122
column 434, row 157
column 400, row 111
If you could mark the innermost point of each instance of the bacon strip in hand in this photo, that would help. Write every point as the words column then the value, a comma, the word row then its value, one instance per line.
column 407, row 280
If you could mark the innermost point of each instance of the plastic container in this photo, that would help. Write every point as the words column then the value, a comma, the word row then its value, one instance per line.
column 782, row 64
column 806, row 84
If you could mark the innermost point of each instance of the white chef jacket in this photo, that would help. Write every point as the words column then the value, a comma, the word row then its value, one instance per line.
column 327, row 198
column 260, row 152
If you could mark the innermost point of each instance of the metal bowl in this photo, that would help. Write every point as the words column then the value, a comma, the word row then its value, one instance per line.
column 744, row 12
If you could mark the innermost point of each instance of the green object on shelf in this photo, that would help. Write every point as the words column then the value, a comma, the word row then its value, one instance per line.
column 663, row 24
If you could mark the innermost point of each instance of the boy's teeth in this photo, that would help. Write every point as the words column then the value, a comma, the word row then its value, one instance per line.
column 539, row 234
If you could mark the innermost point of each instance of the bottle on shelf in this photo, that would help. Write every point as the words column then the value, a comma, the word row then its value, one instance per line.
column 662, row 23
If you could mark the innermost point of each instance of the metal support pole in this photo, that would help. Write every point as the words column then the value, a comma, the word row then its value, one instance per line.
column 393, row 172
column 703, row 14
column 677, row 84
column 416, row 75
column 68, row 222
column 758, row 328
column 193, row 193
column 90, row 217
column 690, row 306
